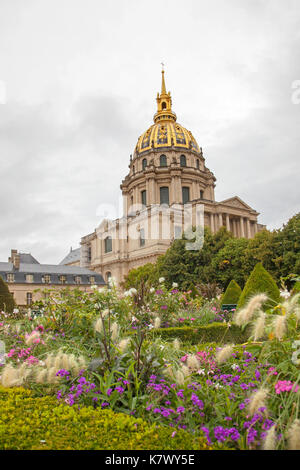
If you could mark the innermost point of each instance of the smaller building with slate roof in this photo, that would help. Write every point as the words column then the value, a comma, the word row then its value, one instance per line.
column 24, row 274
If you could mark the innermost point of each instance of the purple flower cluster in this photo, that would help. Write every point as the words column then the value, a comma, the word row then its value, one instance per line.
column 222, row 434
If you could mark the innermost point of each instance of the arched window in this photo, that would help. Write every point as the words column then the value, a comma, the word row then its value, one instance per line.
column 201, row 193
column 164, row 195
column 185, row 195
column 108, row 244
column 108, row 276
column 198, row 164
column 182, row 160
column 144, row 197
column 144, row 163
column 163, row 160
column 163, row 105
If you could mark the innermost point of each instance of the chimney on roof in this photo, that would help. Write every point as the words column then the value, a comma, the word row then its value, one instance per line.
column 15, row 259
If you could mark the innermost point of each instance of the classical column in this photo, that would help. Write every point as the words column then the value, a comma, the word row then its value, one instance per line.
column 242, row 227
column 248, row 229
column 220, row 221
column 228, row 222
column 212, row 223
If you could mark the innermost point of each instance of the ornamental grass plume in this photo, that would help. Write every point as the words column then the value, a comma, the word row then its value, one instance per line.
column 10, row 377
column 224, row 354
column 176, row 344
column 123, row 344
column 185, row 370
column 51, row 376
column 192, row 362
column 257, row 400
column 279, row 325
column 270, row 440
column 41, row 376
column 259, row 326
column 157, row 322
column 294, row 436
column 114, row 331
column 179, row 376
column 98, row 325
column 244, row 316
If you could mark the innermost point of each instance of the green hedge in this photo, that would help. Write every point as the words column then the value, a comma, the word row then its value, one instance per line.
column 232, row 294
column 213, row 333
column 28, row 423
column 260, row 281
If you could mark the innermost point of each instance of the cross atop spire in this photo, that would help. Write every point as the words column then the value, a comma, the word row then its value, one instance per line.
column 164, row 102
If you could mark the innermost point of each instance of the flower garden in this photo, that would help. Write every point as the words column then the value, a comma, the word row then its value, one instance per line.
column 153, row 368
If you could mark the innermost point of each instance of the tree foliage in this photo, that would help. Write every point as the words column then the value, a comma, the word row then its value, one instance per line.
column 7, row 303
column 232, row 294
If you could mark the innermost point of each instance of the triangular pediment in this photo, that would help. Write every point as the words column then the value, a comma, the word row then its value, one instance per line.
column 236, row 202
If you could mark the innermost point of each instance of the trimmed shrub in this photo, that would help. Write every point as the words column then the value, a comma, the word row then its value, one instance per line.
column 29, row 423
column 213, row 333
column 7, row 303
column 232, row 294
column 260, row 281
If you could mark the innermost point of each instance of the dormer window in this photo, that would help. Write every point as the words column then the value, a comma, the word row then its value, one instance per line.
column 46, row 279
column 77, row 280
column 10, row 278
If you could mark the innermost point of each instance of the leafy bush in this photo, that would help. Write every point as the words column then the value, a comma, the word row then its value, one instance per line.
column 260, row 281
column 7, row 303
column 215, row 332
column 29, row 423
column 232, row 294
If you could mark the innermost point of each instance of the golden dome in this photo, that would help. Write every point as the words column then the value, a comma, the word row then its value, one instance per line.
column 166, row 132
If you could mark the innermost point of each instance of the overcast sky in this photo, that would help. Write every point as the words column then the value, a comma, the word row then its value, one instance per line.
column 78, row 82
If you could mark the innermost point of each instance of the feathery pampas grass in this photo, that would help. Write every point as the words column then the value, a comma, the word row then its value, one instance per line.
column 279, row 325
column 270, row 441
column 244, row 316
column 257, row 400
column 224, row 354
column 123, row 344
column 294, row 436
column 259, row 326
column 176, row 344
column 192, row 362
column 157, row 322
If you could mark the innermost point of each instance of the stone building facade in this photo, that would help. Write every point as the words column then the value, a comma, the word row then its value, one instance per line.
column 168, row 188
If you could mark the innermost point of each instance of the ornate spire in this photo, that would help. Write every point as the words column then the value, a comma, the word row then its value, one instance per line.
column 164, row 103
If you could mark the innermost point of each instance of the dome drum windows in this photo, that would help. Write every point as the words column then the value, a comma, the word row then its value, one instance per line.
column 144, row 164
column 164, row 195
column 163, row 161
column 182, row 160
column 185, row 194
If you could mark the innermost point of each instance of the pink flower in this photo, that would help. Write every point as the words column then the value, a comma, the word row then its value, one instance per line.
column 184, row 358
column 193, row 319
column 285, row 386
column 11, row 353
column 272, row 371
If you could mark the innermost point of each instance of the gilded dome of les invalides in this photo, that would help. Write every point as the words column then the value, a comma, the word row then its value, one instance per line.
column 165, row 133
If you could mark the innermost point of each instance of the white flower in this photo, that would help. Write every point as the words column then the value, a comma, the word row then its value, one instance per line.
column 94, row 287
column 174, row 284
column 201, row 372
column 16, row 310
column 161, row 279
column 112, row 282
column 152, row 290
column 217, row 386
column 285, row 294
column 150, row 327
column 234, row 366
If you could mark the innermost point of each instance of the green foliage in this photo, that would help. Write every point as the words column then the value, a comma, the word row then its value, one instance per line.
column 232, row 294
column 260, row 281
column 296, row 288
column 29, row 423
column 143, row 274
column 7, row 303
column 213, row 333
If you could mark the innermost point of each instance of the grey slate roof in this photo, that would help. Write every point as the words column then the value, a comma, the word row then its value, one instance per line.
column 71, row 257
column 55, row 271
column 28, row 258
